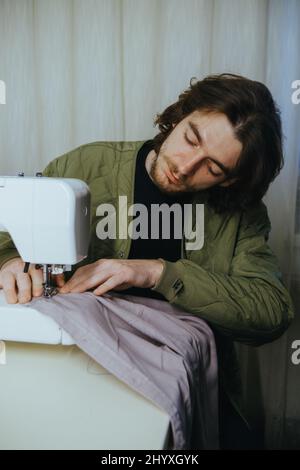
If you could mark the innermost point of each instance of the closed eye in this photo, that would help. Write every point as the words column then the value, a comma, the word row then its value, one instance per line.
column 211, row 171
column 189, row 141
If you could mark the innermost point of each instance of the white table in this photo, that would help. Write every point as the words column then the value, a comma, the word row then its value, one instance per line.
column 54, row 396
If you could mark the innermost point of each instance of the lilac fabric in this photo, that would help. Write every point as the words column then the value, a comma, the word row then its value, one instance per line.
column 162, row 352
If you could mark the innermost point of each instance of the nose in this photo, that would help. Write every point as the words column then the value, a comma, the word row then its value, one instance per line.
column 190, row 165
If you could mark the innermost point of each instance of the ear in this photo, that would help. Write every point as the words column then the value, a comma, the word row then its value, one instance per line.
column 227, row 183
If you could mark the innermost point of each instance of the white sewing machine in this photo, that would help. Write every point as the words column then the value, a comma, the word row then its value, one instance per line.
column 48, row 220
column 52, row 394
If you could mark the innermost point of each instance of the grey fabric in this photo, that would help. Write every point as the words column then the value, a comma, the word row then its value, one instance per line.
column 162, row 352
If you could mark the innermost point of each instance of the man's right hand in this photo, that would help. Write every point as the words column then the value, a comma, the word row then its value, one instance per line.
column 19, row 286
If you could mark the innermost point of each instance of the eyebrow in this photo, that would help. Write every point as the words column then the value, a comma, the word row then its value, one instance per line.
column 195, row 130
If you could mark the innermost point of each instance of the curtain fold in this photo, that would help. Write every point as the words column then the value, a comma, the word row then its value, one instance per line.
column 78, row 71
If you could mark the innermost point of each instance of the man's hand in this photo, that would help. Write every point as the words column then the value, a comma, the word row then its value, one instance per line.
column 107, row 274
column 19, row 286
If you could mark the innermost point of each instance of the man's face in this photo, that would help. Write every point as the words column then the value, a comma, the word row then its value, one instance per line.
column 197, row 154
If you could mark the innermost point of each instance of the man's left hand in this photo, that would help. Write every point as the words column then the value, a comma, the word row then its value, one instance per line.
column 107, row 274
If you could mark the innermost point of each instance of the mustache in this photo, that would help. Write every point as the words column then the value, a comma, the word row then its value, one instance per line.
column 173, row 169
column 181, row 178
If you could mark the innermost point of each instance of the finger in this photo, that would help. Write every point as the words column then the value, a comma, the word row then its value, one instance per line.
column 9, row 287
column 60, row 280
column 36, row 281
column 113, row 282
column 90, row 283
column 83, row 280
column 75, row 280
column 82, row 276
column 24, row 287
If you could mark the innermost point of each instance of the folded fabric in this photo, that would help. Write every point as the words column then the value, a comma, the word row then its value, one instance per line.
column 162, row 352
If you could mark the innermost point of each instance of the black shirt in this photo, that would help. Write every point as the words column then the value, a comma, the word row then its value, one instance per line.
column 147, row 193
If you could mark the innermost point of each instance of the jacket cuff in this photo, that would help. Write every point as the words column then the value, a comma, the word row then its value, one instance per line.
column 169, row 284
column 7, row 256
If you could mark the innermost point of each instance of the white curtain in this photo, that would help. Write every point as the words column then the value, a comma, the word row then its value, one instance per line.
column 83, row 70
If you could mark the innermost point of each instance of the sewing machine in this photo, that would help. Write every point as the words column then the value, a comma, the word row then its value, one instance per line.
column 52, row 394
column 49, row 221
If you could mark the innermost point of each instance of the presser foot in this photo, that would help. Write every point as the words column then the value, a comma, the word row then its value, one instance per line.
column 49, row 291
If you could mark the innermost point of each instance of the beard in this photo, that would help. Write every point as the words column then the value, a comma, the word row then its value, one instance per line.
column 160, row 179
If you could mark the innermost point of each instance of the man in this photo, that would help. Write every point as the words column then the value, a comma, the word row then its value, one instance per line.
column 220, row 144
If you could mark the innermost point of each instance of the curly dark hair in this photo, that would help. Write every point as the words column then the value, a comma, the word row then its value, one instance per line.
column 254, row 115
